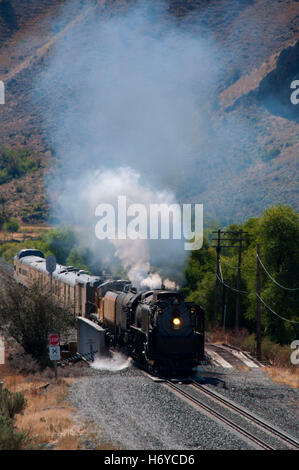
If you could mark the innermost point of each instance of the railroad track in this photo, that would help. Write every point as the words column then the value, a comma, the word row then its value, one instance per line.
column 247, row 414
column 237, row 410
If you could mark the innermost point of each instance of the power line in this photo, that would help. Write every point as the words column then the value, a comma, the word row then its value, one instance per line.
column 231, row 288
column 269, row 308
column 275, row 282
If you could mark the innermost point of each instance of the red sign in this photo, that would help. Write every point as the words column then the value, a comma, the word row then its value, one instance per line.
column 54, row 340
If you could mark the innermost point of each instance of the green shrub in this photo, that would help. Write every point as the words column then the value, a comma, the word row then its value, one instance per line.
column 10, row 405
column 11, row 225
column 10, row 439
column 3, row 219
column 38, row 212
column 15, row 163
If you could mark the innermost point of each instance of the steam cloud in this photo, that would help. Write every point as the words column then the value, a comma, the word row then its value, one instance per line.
column 115, row 362
column 127, row 117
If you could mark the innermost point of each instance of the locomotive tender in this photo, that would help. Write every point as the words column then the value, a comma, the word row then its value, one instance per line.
column 157, row 328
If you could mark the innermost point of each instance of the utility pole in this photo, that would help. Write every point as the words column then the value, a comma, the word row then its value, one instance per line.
column 218, row 249
column 258, row 307
column 223, row 307
column 237, row 237
column 237, row 316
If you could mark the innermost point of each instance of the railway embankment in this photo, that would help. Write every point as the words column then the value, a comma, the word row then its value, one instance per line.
column 136, row 412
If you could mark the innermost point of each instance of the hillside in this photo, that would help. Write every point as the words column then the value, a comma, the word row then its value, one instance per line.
column 256, row 46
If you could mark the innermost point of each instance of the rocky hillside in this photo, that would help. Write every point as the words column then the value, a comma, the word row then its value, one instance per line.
column 256, row 42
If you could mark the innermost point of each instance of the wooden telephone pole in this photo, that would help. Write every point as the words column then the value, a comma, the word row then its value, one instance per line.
column 258, row 307
column 218, row 250
column 239, row 239
column 237, row 314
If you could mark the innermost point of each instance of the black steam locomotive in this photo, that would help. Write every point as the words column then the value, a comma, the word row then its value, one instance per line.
column 157, row 328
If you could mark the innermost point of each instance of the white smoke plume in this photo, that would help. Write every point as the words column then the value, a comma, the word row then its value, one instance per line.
column 134, row 254
column 127, row 117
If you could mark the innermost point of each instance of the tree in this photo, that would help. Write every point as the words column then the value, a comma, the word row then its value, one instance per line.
column 79, row 258
column 277, row 232
column 279, row 235
column 58, row 242
column 30, row 315
column 200, row 278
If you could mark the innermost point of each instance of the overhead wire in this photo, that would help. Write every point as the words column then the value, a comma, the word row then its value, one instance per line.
column 264, row 303
column 275, row 282
column 269, row 308
column 232, row 288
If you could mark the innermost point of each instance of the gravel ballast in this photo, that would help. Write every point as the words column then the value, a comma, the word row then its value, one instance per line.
column 134, row 412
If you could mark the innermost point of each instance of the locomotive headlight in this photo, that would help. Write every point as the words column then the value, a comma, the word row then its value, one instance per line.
column 176, row 322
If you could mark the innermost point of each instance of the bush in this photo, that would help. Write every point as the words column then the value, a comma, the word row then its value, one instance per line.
column 15, row 163
column 10, row 405
column 37, row 213
column 9, row 250
column 275, row 354
column 10, row 439
column 3, row 219
column 12, row 226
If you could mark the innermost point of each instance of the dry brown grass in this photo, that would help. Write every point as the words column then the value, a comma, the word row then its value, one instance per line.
column 229, row 337
column 275, row 357
column 284, row 376
column 68, row 442
column 49, row 419
column 48, row 416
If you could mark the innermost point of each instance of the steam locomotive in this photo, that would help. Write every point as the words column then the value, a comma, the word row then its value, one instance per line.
column 160, row 331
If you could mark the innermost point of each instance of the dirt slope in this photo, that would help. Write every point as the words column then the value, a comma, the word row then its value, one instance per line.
column 252, row 36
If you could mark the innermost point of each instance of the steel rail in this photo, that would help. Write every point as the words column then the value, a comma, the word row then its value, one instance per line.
column 272, row 430
column 218, row 415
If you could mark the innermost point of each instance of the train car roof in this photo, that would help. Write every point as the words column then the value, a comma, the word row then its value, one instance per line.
column 66, row 274
column 29, row 252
